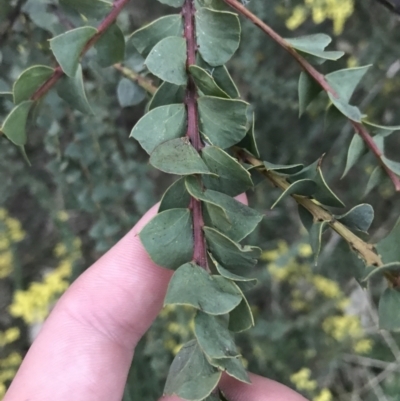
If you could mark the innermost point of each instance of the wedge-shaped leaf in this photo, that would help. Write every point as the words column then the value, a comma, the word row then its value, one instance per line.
column 29, row 81
column 377, row 176
column 218, row 5
column 218, row 35
column 222, row 121
column 373, row 271
column 14, row 126
column 351, row 112
column 283, row 169
column 394, row 166
column 232, row 218
column 167, row 94
column 316, row 232
column 167, row 60
column 304, row 187
column 89, row 8
column 191, row 376
column 381, row 130
column 234, row 257
column 71, row 89
column 389, row 309
column 357, row 149
column 233, row 367
column 214, row 337
column 205, row 82
column 111, row 46
column 68, row 46
column 232, row 276
column 306, row 217
column 178, row 156
column 129, row 93
column 231, row 177
column 168, row 238
column 176, row 196
column 191, row 285
column 308, row 91
column 173, row 3
column 249, row 141
column 359, row 218
column 388, row 247
column 241, row 318
column 315, row 45
column 160, row 125
column 148, row 36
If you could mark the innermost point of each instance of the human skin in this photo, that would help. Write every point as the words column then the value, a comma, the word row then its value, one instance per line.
column 85, row 348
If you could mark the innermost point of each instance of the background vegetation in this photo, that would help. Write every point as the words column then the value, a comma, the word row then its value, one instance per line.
column 316, row 329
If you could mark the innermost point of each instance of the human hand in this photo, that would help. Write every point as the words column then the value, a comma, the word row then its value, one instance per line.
column 85, row 348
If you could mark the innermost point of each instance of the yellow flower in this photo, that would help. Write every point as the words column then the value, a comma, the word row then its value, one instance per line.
column 62, row 215
column 363, row 346
column 340, row 327
column 305, row 250
column 6, row 263
column 324, row 395
column 328, row 288
column 302, row 380
column 9, row 336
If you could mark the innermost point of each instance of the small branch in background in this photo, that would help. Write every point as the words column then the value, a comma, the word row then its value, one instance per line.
column 318, row 77
column 11, row 19
column 143, row 82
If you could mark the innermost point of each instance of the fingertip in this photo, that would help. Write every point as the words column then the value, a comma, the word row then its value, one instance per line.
column 242, row 198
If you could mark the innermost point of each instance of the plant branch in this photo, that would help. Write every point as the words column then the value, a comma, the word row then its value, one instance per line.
column 193, row 132
column 318, row 77
column 364, row 250
column 143, row 82
column 11, row 18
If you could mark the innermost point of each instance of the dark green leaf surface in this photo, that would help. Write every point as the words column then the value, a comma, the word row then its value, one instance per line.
column 178, row 156
column 306, row 217
column 14, row 126
column 173, row 3
column 316, row 237
column 358, row 218
column 357, row 149
column 205, row 82
column 89, row 8
column 176, row 196
column 241, row 318
column 283, row 169
column 168, row 238
column 249, row 141
column 190, row 376
column 167, row 60
column 160, row 125
column 377, row 177
column 68, row 46
column 373, row 271
column 389, row 310
column 222, row 121
column 218, row 35
column 302, row 187
column 232, row 178
column 388, row 247
column 29, row 81
column 213, row 336
column 167, row 94
column 218, row 5
column 71, row 89
column 233, row 367
column 381, row 130
column 129, row 93
column 191, row 285
column 148, row 36
column 110, row 47
column 394, row 166
column 308, row 91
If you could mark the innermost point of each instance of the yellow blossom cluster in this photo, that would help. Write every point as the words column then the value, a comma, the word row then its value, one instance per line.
column 336, row 10
column 303, row 382
column 11, row 233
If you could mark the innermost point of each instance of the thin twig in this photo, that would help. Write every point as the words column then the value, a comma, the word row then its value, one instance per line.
column 143, row 82
column 11, row 18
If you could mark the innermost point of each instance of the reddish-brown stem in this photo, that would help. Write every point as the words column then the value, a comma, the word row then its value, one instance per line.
column 193, row 132
column 318, row 77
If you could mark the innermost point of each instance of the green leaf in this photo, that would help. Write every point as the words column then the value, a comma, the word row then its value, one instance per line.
column 14, row 126
column 316, row 237
column 249, row 141
column 377, row 176
column 351, row 112
column 357, row 149
column 167, row 94
column 358, row 218
column 229, row 275
column 67, row 48
column 283, row 169
column 129, row 93
column 232, row 218
column 190, row 376
column 191, row 285
column 315, row 45
column 168, row 238
column 205, row 82
column 306, row 217
column 222, row 121
column 148, row 36
column 388, row 247
column 302, row 187
column 241, row 318
column 309, row 89
column 110, row 47
column 178, row 156
column 29, row 81
column 373, row 271
column 218, row 5
column 389, row 309
column 160, row 125
column 381, row 130
column 231, row 177
column 391, row 164
column 233, row 367
column 167, row 60
column 176, row 196
column 218, row 35
column 173, row 3
column 234, row 257
column 72, row 90
column 90, row 8
column 214, row 337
